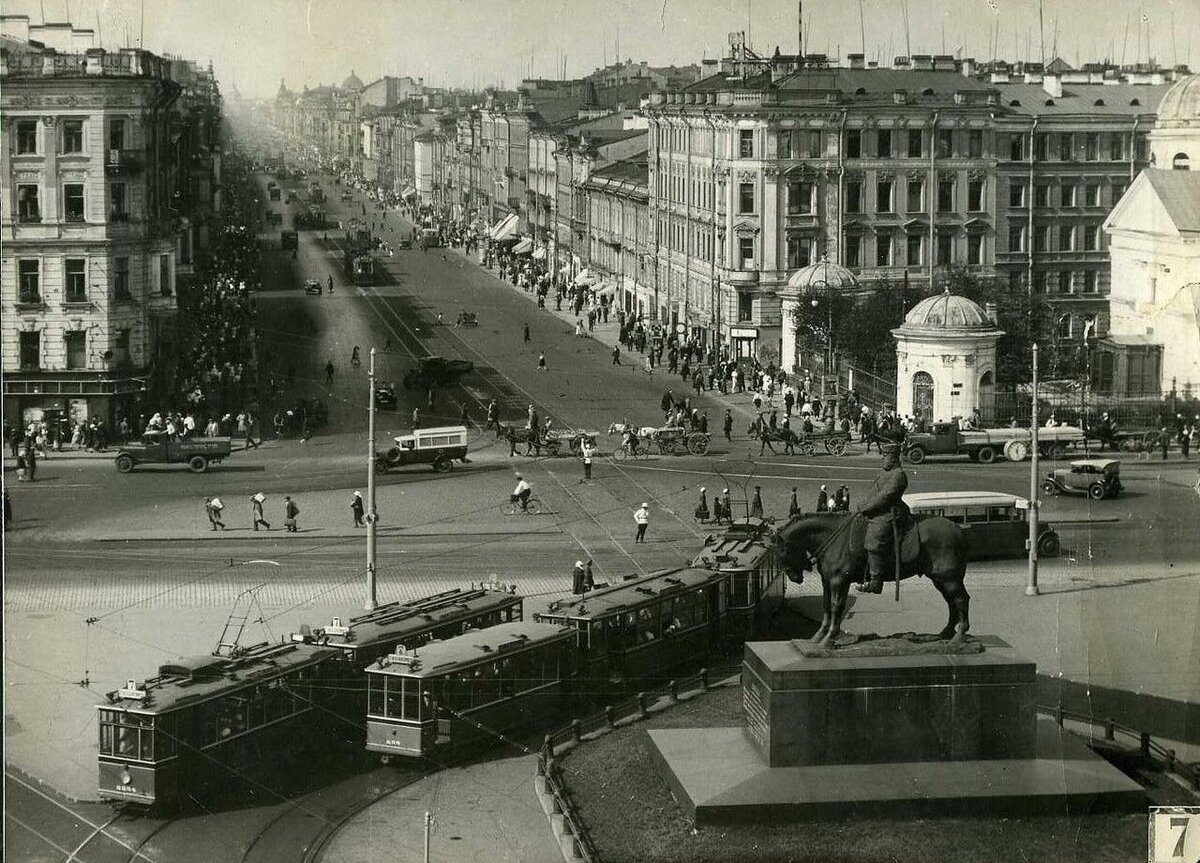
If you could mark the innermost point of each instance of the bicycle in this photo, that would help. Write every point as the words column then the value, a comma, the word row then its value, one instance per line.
column 512, row 507
column 640, row 454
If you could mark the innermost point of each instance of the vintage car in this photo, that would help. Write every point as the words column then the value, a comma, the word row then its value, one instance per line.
column 436, row 372
column 197, row 452
column 996, row 525
column 385, row 397
column 438, row 446
column 1098, row 478
column 347, row 195
column 312, row 286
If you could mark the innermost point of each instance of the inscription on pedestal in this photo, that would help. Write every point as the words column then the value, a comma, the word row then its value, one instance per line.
column 755, row 710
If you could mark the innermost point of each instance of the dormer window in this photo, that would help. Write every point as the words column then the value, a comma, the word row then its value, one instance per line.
column 1135, row 102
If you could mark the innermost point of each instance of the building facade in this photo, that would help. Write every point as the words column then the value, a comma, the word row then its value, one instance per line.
column 620, row 252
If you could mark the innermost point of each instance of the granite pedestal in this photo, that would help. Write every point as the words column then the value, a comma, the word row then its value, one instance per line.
column 911, row 735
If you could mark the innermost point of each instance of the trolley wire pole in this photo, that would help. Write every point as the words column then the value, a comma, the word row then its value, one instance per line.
column 372, row 603
column 428, row 827
column 1031, row 588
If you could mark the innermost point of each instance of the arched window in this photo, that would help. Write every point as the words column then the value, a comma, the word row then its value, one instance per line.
column 1181, row 162
column 1066, row 326
column 922, row 384
column 987, row 396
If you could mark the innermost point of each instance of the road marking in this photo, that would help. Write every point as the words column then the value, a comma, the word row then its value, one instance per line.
column 38, row 834
column 742, row 475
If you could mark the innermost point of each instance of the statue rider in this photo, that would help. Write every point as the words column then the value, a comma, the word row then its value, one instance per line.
column 883, row 508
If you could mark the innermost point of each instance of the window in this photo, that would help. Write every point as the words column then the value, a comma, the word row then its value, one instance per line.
column 72, row 136
column 1041, row 146
column 73, row 202
column 800, row 198
column 746, row 143
column 1066, row 326
column 121, row 278
column 1116, row 147
column 974, row 249
column 883, row 196
column 1016, row 237
column 1141, row 148
column 27, row 135
column 810, row 144
column 854, row 197
column 75, row 279
column 1118, row 191
column 76, row 349
column 1066, row 282
column 1091, row 238
column 1091, row 282
column 1066, row 147
column 164, row 275
column 29, row 281
column 785, row 144
column 1091, row 146
column 1066, row 238
column 945, row 143
column 853, row 257
column 799, row 252
column 746, row 198
column 945, row 250
column 883, row 143
column 1016, row 194
column 31, row 350
column 1091, row 195
column 975, row 143
column 916, row 196
column 853, row 143
column 1068, row 195
column 745, row 307
column 746, row 253
column 1181, row 162
column 121, row 353
column 1016, row 148
column 118, row 204
column 1041, row 195
column 883, row 250
column 1039, row 282
column 1041, row 238
column 28, row 209
column 916, row 143
column 116, row 134
column 945, row 196
column 975, row 196
column 913, row 250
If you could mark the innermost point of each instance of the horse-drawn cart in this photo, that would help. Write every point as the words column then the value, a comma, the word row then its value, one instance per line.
column 805, row 443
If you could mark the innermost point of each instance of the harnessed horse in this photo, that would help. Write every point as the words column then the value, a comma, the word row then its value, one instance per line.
column 833, row 544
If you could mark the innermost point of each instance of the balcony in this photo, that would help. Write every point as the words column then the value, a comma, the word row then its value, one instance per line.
column 122, row 161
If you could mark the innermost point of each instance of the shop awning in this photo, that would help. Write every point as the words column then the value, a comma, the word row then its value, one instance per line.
column 586, row 278
column 609, row 290
column 539, row 254
column 524, row 247
column 408, row 192
column 506, row 228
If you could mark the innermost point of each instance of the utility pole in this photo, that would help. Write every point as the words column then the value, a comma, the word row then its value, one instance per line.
column 428, row 829
column 1031, row 588
column 372, row 603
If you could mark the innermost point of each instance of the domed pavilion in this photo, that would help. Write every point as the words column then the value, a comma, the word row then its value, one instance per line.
column 1175, row 138
column 946, row 359
column 807, row 285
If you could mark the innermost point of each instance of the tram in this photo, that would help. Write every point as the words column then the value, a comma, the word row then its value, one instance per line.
column 200, row 718
column 747, row 557
column 448, row 694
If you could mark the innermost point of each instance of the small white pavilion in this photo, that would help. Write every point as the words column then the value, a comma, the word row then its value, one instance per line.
column 808, row 285
column 946, row 359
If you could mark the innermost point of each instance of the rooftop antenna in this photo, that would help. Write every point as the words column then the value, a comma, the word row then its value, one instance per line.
column 142, row 31
column 100, row 32
column 618, row 44
column 1042, row 33
column 749, row 10
column 1125, row 40
column 862, row 27
column 907, row 34
column 943, row 35
column 1054, row 44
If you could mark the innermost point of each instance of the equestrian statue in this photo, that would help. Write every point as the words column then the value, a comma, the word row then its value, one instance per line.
column 881, row 542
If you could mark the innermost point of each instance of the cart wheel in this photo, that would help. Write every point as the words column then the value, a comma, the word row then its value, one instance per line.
column 198, row 464
column 443, row 465
column 124, row 463
column 679, row 447
column 698, row 444
column 807, row 449
column 381, row 464
column 1050, row 488
column 1049, row 544
column 394, row 455
column 1149, row 441
column 1097, row 491
column 836, row 445
column 620, row 453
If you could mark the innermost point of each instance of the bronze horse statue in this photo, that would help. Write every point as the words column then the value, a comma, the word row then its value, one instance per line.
column 833, row 542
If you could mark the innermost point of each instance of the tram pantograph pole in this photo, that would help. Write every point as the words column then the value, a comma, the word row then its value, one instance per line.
column 1031, row 588
column 371, row 602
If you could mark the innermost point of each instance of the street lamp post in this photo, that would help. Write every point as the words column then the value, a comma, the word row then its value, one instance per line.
column 1031, row 588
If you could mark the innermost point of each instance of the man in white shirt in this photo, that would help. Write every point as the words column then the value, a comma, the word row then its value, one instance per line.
column 521, row 493
column 642, row 517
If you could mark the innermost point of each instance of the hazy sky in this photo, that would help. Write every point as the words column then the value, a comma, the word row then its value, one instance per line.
column 254, row 43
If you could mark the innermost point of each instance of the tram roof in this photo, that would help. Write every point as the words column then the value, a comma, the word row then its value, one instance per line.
column 442, row 657
column 741, row 546
column 631, row 594
column 190, row 680
column 930, row 499
column 392, row 622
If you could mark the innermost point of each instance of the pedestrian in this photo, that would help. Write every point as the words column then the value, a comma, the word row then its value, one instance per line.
column 756, row 504
column 329, row 373
column 356, row 508
column 493, row 416
column 251, row 443
column 702, row 513
column 650, row 365
column 588, row 450
column 8, row 519
column 793, row 505
column 578, row 577
column 727, row 425
column 845, row 498
column 526, row 333
column 541, row 366
column 1185, row 440
column 290, row 511
column 616, row 355
column 256, row 511
column 216, row 508
column 211, row 513
column 589, row 583
column 822, row 500
column 30, row 461
column 726, row 506
column 1164, row 440
column 416, row 418
column 642, row 519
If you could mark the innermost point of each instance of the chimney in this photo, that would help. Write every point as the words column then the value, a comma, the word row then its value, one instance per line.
column 900, row 62
column 856, row 60
column 15, row 27
column 922, row 62
column 82, row 40
column 968, row 67
column 1052, row 84
column 990, row 312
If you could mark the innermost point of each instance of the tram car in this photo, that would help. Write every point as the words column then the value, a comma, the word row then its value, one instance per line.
column 747, row 557
column 201, row 718
column 641, row 628
column 448, row 695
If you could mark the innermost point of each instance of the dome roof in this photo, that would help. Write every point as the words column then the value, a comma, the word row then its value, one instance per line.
column 353, row 83
column 820, row 276
column 947, row 312
column 1181, row 104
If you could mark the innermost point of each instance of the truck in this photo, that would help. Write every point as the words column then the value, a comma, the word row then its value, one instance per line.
column 984, row 445
column 196, row 452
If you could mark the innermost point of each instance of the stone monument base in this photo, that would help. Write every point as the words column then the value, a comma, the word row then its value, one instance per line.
column 719, row 776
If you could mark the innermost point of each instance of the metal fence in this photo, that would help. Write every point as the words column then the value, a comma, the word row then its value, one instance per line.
column 1072, row 405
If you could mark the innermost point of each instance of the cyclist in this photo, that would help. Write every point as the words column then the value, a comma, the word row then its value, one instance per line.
column 630, row 443
column 354, row 360
column 521, row 493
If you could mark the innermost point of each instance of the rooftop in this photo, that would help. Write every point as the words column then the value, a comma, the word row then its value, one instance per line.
column 439, row 657
column 1179, row 192
column 630, row 593
column 1124, row 100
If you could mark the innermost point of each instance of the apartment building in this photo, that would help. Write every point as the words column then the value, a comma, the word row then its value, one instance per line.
column 621, row 251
